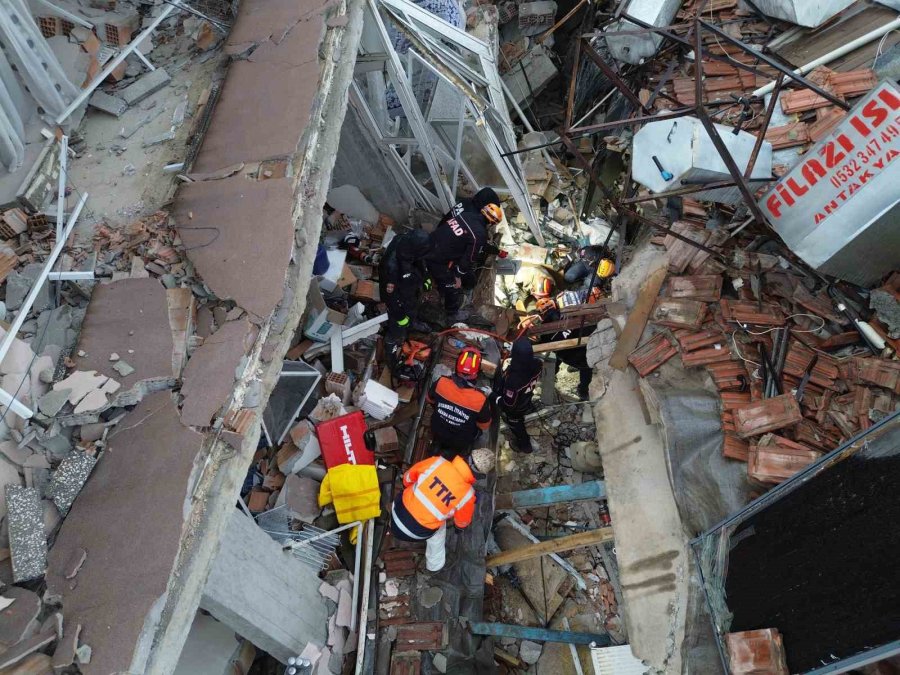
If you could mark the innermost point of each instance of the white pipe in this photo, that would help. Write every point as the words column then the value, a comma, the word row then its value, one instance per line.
column 61, row 189
column 364, row 609
column 837, row 53
column 113, row 64
column 5, row 397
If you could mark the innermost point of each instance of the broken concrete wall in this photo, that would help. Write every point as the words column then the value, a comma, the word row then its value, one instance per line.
column 127, row 521
column 281, row 609
column 292, row 82
column 219, row 484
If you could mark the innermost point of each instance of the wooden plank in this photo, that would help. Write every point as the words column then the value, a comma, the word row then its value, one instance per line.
column 557, row 346
column 598, row 536
column 556, row 494
column 637, row 320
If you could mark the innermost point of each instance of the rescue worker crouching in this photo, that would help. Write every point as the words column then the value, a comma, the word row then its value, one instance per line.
column 458, row 242
column 576, row 357
column 461, row 411
column 401, row 276
column 437, row 490
column 514, row 391
column 594, row 264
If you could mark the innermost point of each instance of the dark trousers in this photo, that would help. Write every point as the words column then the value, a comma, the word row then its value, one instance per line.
column 445, row 282
column 577, row 358
column 579, row 270
column 516, row 424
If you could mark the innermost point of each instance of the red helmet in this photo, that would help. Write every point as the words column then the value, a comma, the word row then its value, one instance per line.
column 468, row 363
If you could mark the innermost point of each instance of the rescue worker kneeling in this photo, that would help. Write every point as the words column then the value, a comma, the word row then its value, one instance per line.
column 437, row 490
column 461, row 411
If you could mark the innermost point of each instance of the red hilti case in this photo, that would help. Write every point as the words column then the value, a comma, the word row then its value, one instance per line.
column 342, row 440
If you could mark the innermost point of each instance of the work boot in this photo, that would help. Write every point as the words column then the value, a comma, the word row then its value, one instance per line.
column 419, row 326
column 583, row 393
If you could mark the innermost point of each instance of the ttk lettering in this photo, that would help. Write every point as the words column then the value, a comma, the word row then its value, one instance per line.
column 444, row 493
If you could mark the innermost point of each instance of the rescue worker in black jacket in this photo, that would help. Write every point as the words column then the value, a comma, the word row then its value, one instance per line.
column 461, row 410
column 592, row 261
column 401, row 276
column 459, row 240
column 514, row 390
column 575, row 357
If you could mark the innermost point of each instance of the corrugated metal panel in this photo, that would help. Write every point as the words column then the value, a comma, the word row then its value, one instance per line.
column 616, row 661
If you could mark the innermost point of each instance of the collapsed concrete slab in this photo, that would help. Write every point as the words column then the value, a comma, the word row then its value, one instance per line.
column 259, row 116
column 128, row 318
column 651, row 544
column 238, row 235
column 128, row 518
column 210, row 374
column 259, row 611
column 227, row 455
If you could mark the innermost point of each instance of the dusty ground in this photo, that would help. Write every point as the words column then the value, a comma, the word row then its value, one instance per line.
column 124, row 179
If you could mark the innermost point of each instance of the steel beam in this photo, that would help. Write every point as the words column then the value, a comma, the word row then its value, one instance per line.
column 556, row 494
column 774, row 64
column 733, row 168
column 539, row 634
column 614, row 76
column 761, row 134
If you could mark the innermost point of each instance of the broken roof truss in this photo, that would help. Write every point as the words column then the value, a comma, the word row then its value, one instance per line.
column 454, row 118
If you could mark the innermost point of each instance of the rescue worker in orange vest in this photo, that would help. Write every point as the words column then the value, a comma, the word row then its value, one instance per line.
column 461, row 411
column 437, row 490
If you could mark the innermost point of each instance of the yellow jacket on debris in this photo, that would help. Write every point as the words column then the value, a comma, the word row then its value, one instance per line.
column 354, row 490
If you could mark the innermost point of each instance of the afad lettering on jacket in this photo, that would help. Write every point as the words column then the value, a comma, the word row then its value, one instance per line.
column 838, row 156
column 348, row 444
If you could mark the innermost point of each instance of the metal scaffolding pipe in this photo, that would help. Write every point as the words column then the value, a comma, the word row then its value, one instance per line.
column 5, row 397
column 113, row 64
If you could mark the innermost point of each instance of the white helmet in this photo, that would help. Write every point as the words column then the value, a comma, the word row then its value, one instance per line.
column 482, row 460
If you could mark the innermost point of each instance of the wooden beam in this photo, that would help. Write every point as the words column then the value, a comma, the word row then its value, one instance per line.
column 556, row 494
column 637, row 320
column 559, row 345
column 538, row 634
column 567, row 543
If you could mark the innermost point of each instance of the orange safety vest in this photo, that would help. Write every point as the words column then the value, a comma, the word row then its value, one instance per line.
column 438, row 490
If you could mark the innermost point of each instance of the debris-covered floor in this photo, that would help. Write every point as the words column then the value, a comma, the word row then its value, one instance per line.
column 200, row 365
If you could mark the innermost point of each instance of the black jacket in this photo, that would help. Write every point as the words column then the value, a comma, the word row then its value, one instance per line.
column 403, row 262
column 458, row 240
column 516, row 385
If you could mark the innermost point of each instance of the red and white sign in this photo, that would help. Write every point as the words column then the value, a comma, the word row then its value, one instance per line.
column 843, row 183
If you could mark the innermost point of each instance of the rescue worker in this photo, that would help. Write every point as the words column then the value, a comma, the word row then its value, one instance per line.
column 461, row 411
column 401, row 276
column 576, row 357
column 514, row 390
column 593, row 264
column 437, row 490
column 458, row 242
